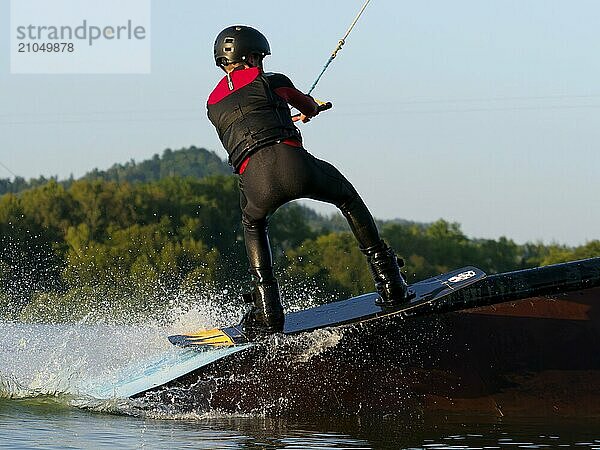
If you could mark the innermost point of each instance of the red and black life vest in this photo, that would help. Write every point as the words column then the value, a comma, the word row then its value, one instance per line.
column 248, row 115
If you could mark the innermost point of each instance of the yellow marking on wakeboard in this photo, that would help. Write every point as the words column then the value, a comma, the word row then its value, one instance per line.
column 215, row 338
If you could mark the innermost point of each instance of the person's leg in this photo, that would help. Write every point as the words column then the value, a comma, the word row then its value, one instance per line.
column 331, row 186
column 267, row 314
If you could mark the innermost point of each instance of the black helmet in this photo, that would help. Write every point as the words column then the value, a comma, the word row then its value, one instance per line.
column 236, row 43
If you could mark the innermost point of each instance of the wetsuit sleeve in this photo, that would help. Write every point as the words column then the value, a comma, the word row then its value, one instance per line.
column 284, row 88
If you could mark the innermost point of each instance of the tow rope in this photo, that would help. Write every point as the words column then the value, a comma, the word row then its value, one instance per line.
column 341, row 42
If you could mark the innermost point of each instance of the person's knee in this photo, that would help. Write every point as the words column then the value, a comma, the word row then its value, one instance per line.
column 352, row 202
column 254, row 224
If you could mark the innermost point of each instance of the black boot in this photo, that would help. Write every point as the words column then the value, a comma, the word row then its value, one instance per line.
column 390, row 284
column 266, row 315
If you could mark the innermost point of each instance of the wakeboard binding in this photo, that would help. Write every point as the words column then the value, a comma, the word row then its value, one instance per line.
column 265, row 315
column 389, row 281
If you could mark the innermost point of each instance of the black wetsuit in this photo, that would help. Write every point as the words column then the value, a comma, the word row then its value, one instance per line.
column 276, row 172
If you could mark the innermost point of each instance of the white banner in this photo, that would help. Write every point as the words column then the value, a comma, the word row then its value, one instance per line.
column 80, row 36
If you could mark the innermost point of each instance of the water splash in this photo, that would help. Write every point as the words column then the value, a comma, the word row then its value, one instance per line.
column 69, row 361
column 302, row 348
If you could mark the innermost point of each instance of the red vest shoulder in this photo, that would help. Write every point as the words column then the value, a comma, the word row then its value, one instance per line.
column 239, row 78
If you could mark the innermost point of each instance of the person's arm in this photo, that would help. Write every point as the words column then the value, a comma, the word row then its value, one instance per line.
column 284, row 88
column 302, row 102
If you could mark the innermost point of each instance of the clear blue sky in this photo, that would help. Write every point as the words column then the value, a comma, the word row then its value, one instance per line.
column 484, row 113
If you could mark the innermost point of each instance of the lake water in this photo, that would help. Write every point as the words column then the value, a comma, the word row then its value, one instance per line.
column 299, row 403
column 52, row 424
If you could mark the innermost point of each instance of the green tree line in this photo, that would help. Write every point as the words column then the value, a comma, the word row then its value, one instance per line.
column 114, row 248
column 192, row 162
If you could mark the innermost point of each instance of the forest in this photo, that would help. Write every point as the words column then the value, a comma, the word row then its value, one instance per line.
column 140, row 239
column 187, row 162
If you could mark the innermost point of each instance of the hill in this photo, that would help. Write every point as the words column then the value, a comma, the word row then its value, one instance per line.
column 187, row 162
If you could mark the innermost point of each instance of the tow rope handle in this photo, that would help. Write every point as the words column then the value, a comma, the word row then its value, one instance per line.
column 322, row 107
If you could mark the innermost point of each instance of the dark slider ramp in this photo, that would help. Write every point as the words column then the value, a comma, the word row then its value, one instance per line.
column 508, row 286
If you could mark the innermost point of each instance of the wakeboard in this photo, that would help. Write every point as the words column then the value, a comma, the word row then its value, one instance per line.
column 205, row 347
column 144, row 376
column 345, row 312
